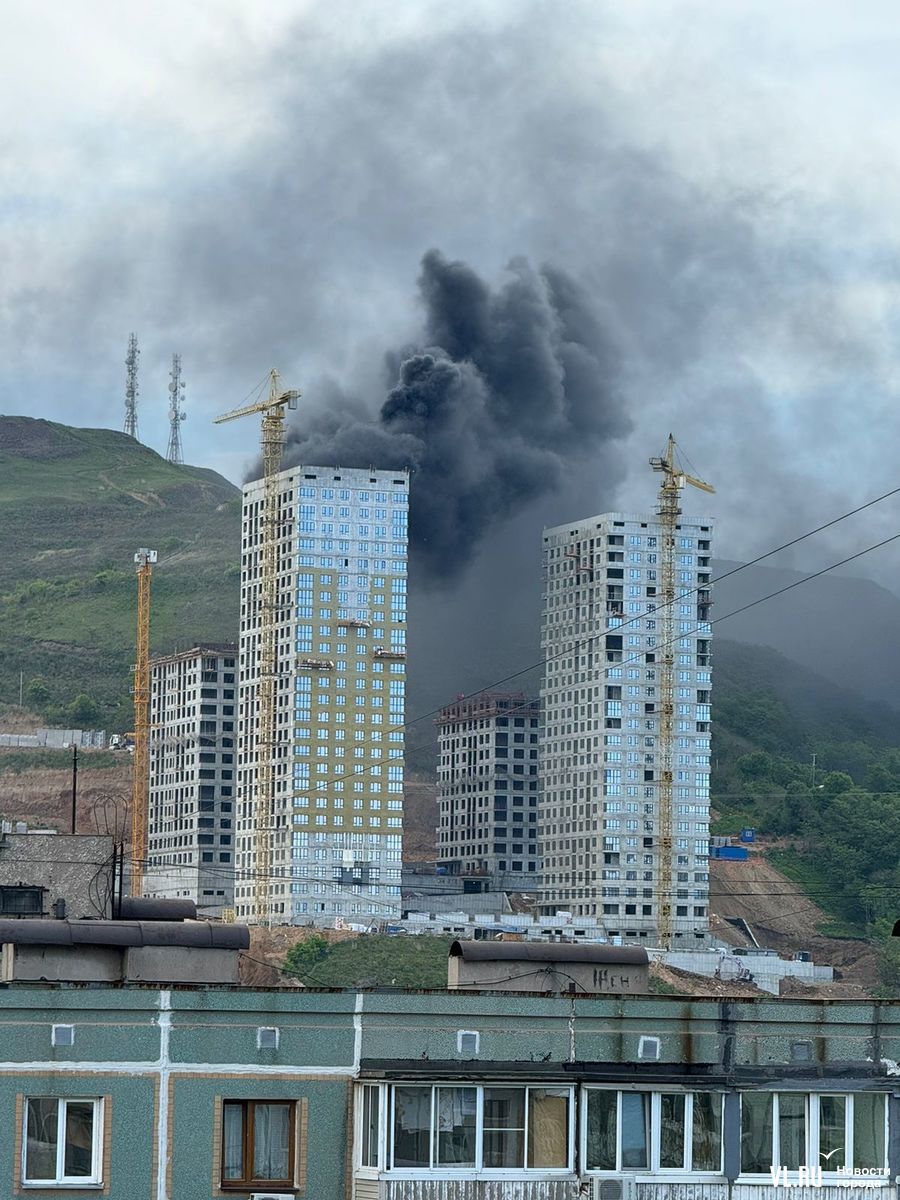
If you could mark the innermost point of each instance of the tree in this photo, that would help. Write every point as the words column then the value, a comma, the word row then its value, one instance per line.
column 37, row 693
column 755, row 765
column 836, row 783
column 304, row 955
column 83, row 712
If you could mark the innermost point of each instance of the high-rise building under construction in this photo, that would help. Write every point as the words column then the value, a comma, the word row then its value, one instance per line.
column 601, row 763
column 191, row 777
column 488, row 790
column 340, row 687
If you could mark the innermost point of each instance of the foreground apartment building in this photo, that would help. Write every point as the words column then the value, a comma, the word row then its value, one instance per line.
column 185, row 1093
column 600, row 750
column 340, row 686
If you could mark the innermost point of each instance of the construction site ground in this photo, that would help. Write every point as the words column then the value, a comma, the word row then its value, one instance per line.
column 779, row 915
column 42, row 796
column 783, row 919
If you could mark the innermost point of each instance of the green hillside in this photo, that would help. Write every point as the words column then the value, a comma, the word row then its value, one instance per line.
column 75, row 505
column 377, row 960
column 818, row 769
column 765, row 701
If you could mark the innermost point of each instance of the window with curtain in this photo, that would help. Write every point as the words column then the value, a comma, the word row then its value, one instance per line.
column 672, row 1131
column 504, row 1127
column 456, row 1111
column 832, row 1132
column 868, row 1122
column 62, row 1141
column 757, row 1132
column 412, row 1127
column 489, row 1127
column 258, row 1142
column 706, row 1139
column 794, row 1129
column 653, row 1131
column 791, row 1130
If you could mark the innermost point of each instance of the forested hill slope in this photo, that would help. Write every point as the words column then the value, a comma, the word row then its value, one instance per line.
column 816, row 771
column 845, row 629
column 75, row 505
column 780, row 729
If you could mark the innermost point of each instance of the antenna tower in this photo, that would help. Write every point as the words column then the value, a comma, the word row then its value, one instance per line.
column 131, row 386
column 174, row 453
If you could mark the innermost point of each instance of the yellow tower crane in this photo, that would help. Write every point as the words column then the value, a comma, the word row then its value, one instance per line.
column 140, row 782
column 272, row 409
column 673, row 483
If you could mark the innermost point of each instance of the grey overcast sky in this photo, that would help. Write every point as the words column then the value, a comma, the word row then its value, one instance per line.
column 256, row 184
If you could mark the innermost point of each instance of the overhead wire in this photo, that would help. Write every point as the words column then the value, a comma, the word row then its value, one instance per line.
column 638, row 656
column 692, row 591
column 393, row 758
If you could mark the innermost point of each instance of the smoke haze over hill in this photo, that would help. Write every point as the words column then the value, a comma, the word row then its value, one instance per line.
column 713, row 186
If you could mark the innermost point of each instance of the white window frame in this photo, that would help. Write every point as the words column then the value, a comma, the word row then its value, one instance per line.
column 95, row 1179
column 812, row 1136
column 370, row 1170
column 653, row 1169
column 439, row 1171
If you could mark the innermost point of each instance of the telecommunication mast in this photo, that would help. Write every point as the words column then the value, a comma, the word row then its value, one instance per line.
column 174, row 453
column 131, row 386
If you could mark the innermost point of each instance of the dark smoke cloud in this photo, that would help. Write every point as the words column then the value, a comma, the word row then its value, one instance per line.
column 507, row 388
column 752, row 310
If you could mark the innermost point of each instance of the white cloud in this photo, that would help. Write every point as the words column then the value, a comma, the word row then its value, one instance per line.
column 248, row 182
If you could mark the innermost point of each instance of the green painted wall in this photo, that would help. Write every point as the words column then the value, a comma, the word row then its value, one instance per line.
column 319, row 1031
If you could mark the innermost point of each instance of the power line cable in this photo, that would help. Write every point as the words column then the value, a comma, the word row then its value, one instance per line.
column 568, row 650
column 324, row 785
column 405, row 754
column 692, row 591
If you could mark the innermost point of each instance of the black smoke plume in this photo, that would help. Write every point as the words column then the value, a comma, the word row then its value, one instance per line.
column 505, row 390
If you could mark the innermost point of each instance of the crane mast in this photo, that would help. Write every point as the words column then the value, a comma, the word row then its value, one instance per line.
column 668, row 511
column 140, row 783
column 273, row 410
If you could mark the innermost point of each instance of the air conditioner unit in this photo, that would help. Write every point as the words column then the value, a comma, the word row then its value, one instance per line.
column 619, row 1187
column 271, row 1196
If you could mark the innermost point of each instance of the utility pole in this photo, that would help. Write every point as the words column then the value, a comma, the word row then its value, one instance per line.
column 140, row 780
column 74, row 781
